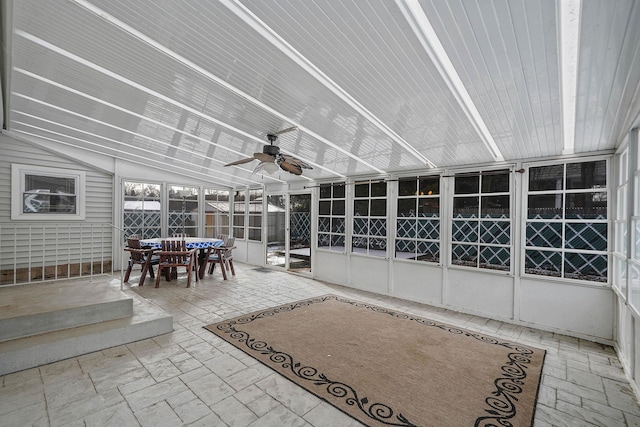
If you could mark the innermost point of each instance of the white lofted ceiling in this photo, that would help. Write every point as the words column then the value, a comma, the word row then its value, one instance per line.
column 373, row 87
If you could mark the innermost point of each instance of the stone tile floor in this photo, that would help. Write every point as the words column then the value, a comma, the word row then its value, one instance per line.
column 191, row 377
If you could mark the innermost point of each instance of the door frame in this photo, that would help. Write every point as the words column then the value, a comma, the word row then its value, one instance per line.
column 287, row 195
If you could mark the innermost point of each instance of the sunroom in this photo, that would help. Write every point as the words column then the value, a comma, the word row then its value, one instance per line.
column 479, row 157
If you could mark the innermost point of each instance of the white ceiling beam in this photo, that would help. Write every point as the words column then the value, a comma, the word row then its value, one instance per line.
column 569, row 39
column 195, row 67
column 422, row 28
column 277, row 41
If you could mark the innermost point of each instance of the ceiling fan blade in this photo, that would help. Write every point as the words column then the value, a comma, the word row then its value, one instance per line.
column 296, row 162
column 241, row 161
column 284, row 130
column 284, row 165
column 263, row 157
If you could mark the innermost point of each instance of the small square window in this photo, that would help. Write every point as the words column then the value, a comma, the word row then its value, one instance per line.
column 41, row 193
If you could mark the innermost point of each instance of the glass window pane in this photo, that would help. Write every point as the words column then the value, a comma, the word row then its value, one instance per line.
column 585, row 267
column 407, row 187
column 325, row 191
column 466, row 255
column 634, row 285
column 586, row 206
column 359, row 244
column 466, row 207
column 495, row 207
column 587, row 175
column 495, row 258
column 428, row 251
column 465, row 231
column 337, row 225
column 546, row 178
column 544, row 263
column 587, row 236
column 429, row 207
column 337, row 242
column 407, row 207
column 324, row 240
column 429, row 186
column 362, row 190
column 378, row 227
column 545, row 206
column 467, row 184
column 360, row 226
column 406, row 228
column 496, row 232
column 495, row 182
column 379, row 207
column 543, row 234
column 378, row 189
column 429, row 229
column 338, row 207
column 361, row 207
column 324, row 224
column 324, row 207
column 338, row 191
column 405, row 249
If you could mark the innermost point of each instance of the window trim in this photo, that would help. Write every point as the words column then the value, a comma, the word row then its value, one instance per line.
column 18, row 173
column 608, row 221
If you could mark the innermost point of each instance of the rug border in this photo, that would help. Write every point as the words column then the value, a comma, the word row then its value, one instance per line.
column 397, row 313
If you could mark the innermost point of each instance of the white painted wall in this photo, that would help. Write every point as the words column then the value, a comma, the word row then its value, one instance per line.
column 577, row 310
column 417, row 282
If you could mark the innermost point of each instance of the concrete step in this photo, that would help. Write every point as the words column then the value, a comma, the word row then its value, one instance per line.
column 34, row 309
column 23, row 353
column 47, row 322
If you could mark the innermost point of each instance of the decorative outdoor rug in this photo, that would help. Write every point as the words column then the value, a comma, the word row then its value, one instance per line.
column 386, row 368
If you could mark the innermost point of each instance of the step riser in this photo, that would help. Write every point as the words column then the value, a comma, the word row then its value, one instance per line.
column 38, row 323
column 41, row 354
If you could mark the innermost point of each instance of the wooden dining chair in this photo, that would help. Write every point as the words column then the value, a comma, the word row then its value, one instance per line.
column 140, row 256
column 222, row 255
column 174, row 254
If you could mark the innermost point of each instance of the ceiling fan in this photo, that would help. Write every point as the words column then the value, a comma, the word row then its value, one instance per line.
column 271, row 154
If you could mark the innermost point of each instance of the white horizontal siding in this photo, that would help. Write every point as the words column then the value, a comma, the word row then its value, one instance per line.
column 29, row 243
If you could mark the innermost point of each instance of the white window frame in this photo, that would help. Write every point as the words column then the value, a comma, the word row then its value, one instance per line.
column 18, row 181
column 562, row 250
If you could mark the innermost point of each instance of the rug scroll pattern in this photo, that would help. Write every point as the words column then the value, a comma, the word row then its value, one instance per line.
column 501, row 405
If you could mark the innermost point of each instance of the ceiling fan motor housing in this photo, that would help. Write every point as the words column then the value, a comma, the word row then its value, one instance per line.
column 271, row 149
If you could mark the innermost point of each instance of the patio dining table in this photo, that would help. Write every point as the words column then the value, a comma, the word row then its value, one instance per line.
column 201, row 243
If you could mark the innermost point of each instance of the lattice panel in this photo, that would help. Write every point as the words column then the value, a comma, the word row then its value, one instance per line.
column 465, row 231
column 429, row 251
column 406, row 228
column 586, row 267
column 464, row 254
column 378, row 227
column 133, row 219
column 498, row 232
column 324, row 240
column 408, row 246
column 337, row 240
column 338, row 225
column 301, row 226
column 152, row 219
column 175, row 220
column 495, row 257
column 544, row 234
column 547, row 263
column 429, row 229
column 360, row 226
column 589, row 236
column 378, row 244
column 324, row 224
